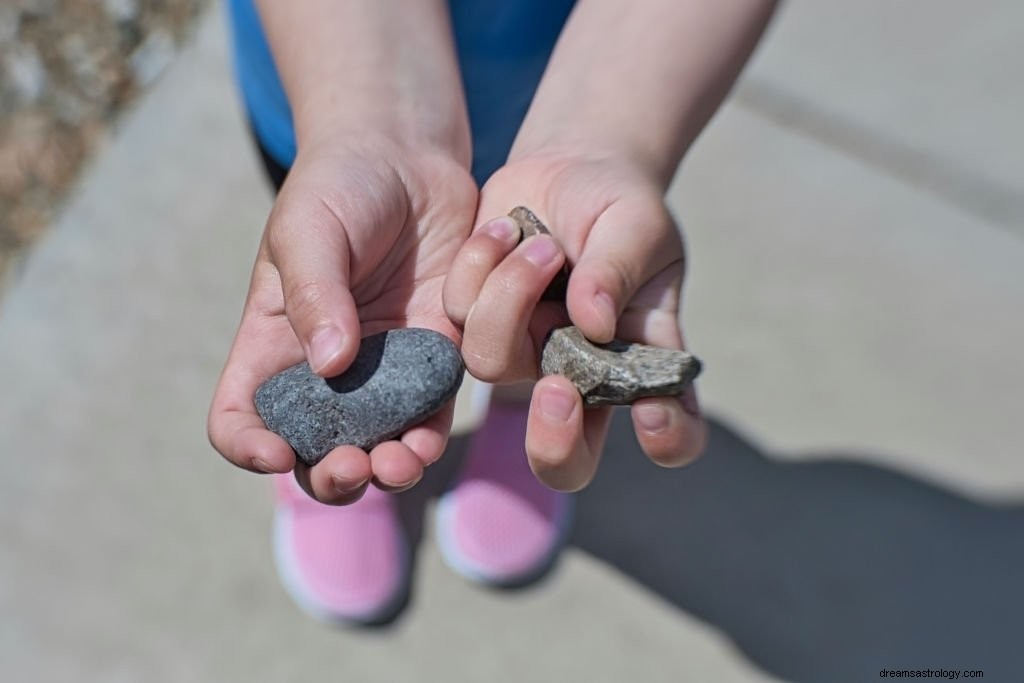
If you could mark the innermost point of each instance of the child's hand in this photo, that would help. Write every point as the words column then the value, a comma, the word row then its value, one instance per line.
column 628, row 263
column 359, row 241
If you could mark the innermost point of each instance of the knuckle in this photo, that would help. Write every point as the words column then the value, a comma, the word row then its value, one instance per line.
column 488, row 346
column 304, row 301
column 479, row 254
column 275, row 237
column 622, row 277
column 506, row 287
column 456, row 301
column 456, row 310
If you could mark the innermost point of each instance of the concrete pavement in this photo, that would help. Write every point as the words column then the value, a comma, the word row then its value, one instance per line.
column 856, row 290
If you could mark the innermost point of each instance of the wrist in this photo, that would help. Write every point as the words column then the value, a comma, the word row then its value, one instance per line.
column 631, row 163
column 320, row 121
column 352, row 67
column 408, row 157
column 640, row 80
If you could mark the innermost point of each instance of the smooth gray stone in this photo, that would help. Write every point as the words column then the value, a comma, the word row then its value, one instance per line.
column 398, row 379
column 616, row 373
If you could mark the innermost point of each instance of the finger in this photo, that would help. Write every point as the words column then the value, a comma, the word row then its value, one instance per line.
column 395, row 467
column 339, row 479
column 563, row 442
column 262, row 346
column 652, row 316
column 478, row 257
column 311, row 253
column 428, row 439
column 342, row 476
column 496, row 343
column 244, row 441
column 670, row 429
column 631, row 242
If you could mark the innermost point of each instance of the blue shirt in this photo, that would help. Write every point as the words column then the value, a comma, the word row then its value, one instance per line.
column 503, row 48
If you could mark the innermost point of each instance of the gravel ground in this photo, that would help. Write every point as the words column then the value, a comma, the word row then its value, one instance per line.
column 67, row 68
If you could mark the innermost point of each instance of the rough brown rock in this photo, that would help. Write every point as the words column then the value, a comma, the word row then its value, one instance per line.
column 617, row 373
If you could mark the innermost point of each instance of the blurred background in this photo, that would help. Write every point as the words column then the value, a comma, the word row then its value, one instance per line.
column 69, row 67
column 855, row 225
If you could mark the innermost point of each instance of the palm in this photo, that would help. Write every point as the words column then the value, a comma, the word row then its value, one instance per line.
column 577, row 197
column 392, row 237
column 626, row 254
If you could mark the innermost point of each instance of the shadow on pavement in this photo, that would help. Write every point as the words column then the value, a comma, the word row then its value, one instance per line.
column 819, row 571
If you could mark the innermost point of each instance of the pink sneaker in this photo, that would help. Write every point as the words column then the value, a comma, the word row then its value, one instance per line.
column 342, row 565
column 498, row 525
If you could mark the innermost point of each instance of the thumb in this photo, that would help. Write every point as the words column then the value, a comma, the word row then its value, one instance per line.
column 311, row 252
column 631, row 242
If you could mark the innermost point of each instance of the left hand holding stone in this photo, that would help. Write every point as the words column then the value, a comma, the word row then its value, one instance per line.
column 610, row 222
column 358, row 243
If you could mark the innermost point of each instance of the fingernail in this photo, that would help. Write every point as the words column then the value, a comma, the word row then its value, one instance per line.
column 556, row 405
column 503, row 228
column 261, row 465
column 652, row 418
column 344, row 487
column 324, row 346
column 397, row 488
column 540, row 250
column 412, row 483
